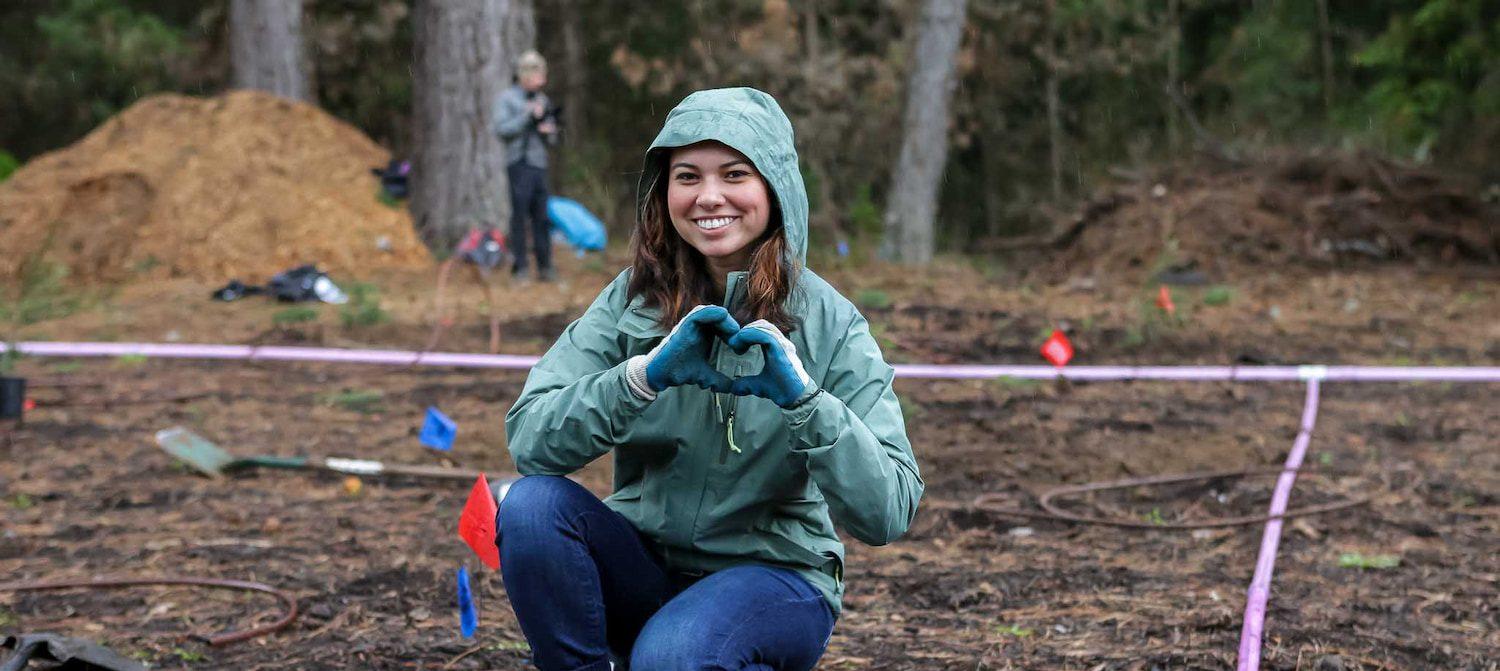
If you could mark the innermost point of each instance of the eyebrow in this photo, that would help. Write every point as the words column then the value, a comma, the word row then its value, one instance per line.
column 685, row 164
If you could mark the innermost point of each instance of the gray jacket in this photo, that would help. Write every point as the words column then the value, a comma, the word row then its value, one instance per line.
column 512, row 121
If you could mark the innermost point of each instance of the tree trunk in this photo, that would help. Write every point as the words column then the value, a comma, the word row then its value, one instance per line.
column 1174, row 75
column 458, row 171
column 992, row 153
column 575, row 60
column 573, row 85
column 1054, row 106
column 520, row 28
column 1325, row 42
column 265, row 47
column 912, row 205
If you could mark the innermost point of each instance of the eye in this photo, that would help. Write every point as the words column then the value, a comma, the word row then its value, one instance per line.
column 685, row 177
column 737, row 173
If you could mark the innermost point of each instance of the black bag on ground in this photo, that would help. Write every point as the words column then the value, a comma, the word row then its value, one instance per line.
column 394, row 178
column 304, row 283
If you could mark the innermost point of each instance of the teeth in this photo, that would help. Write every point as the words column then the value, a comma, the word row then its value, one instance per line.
column 711, row 224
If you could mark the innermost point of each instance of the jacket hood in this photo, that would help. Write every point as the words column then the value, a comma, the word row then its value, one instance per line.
column 753, row 124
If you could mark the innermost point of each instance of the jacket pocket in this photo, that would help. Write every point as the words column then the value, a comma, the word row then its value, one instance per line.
column 790, row 542
column 638, row 324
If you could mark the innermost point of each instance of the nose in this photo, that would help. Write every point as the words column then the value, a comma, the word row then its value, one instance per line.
column 710, row 197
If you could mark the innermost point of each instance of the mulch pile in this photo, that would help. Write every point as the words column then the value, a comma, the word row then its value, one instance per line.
column 241, row 185
column 1229, row 220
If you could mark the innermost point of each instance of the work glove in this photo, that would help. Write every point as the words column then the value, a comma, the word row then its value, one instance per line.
column 682, row 357
column 782, row 379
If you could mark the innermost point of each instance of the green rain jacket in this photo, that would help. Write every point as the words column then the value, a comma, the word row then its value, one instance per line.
column 716, row 480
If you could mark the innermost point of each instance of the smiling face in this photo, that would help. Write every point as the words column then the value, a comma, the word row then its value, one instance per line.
column 718, row 203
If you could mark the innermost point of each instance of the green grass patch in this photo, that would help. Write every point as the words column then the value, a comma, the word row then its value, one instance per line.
column 146, row 265
column 882, row 338
column 8, row 619
column 1155, row 517
column 506, row 645
column 1467, row 298
column 66, row 367
column 910, row 410
column 1016, row 383
column 21, row 502
column 39, row 296
column 8, row 359
column 1362, row 561
column 873, row 299
column 363, row 308
column 1013, row 630
column 295, row 315
column 130, row 360
column 189, row 656
column 362, row 401
column 8, row 165
column 1217, row 296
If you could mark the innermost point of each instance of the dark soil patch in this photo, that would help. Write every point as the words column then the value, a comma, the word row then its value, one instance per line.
column 84, row 491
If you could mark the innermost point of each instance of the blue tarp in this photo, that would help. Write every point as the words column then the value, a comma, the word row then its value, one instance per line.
column 577, row 225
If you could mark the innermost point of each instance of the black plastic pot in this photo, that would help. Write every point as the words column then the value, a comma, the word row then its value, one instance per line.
column 12, row 397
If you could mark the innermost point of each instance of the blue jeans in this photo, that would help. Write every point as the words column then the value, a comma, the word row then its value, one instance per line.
column 585, row 587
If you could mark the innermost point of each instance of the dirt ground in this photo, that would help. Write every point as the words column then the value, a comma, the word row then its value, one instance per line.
column 85, row 492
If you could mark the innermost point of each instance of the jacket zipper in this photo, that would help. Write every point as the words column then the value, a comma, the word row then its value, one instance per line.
column 733, row 401
column 728, row 427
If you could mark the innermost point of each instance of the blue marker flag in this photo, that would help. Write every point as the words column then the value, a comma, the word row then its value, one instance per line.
column 437, row 430
column 468, row 617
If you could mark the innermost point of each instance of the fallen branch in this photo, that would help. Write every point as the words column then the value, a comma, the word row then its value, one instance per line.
column 225, row 638
column 1050, row 510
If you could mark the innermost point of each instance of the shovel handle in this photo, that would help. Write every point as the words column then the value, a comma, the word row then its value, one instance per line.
column 368, row 467
column 274, row 462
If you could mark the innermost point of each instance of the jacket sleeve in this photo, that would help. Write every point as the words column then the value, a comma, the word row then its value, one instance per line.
column 854, row 436
column 510, row 118
column 576, row 402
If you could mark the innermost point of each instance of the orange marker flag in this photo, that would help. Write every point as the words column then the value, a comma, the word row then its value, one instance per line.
column 1164, row 300
column 1057, row 349
column 476, row 525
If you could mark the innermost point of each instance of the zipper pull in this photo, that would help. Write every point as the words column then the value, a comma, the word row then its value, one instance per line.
column 730, row 432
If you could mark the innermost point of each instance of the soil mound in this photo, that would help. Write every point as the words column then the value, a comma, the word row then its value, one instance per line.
column 242, row 185
column 1235, row 220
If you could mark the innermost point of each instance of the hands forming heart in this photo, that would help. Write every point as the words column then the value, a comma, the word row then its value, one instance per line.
column 683, row 357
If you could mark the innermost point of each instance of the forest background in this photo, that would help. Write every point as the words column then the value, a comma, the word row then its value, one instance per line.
column 1052, row 97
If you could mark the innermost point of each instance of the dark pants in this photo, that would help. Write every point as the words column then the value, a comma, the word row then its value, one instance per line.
column 584, row 586
column 528, row 202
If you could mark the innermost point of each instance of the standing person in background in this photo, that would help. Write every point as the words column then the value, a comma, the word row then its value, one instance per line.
column 526, row 121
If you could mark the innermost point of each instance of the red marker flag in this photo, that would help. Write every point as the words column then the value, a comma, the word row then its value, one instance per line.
column 1057, row 349
column 1164, row 300
column 476, row 525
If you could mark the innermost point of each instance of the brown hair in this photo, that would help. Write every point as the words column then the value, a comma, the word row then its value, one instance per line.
column 673, row 277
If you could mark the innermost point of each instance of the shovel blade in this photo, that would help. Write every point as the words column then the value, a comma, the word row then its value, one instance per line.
column 194, row 450
column 73, row 653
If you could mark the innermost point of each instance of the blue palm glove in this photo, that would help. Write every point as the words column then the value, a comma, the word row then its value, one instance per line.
column 682, row 357
column 782, row 379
